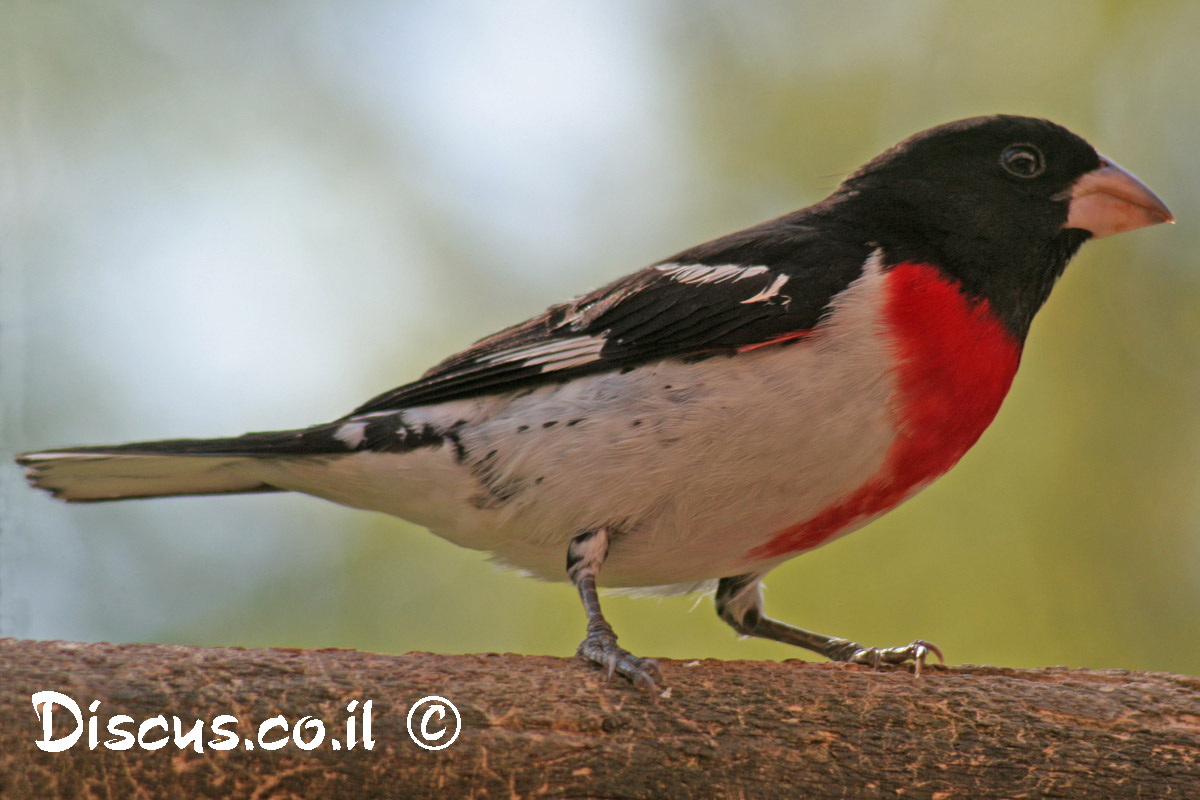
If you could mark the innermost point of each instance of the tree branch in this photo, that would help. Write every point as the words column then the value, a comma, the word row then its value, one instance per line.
column 534, row 726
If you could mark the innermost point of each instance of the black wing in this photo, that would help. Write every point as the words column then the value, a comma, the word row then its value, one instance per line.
column 765, row 284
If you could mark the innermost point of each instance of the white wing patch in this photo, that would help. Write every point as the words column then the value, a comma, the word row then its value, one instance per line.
column 351, row 434
column 769, row 292
column 699, row 273
column 550, row 356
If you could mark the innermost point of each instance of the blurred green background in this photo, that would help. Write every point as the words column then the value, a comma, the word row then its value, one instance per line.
column 220, row 217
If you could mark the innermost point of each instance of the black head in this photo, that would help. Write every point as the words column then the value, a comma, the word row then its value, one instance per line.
column 1001, row 203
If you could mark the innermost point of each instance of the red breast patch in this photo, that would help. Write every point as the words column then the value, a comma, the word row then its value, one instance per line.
column 955, row 362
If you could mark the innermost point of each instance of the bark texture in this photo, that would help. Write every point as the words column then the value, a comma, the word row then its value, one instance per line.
column 540, row 726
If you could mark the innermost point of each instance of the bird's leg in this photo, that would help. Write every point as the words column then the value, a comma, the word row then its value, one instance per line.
column 585, row 555
column 740, row 603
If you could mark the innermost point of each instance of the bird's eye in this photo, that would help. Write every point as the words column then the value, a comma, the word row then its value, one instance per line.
column 1023, row 161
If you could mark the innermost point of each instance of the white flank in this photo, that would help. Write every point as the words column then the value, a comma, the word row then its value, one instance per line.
column 693, row 465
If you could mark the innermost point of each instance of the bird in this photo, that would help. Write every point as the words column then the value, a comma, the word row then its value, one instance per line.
column 701, row 421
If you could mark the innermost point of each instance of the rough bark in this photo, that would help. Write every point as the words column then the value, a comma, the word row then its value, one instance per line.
column 540, row 726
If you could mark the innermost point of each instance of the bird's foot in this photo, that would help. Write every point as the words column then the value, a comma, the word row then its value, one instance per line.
column 600, row 647
column 916, row 652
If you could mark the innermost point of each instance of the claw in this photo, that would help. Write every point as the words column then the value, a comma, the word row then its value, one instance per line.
column 917, row 652
column 603, row 651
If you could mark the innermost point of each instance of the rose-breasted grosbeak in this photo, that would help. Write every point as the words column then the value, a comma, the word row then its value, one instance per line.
column 716, row 413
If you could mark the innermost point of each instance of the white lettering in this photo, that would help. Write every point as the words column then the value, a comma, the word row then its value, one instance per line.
column 274, row 722
column 193, row 737
column 314, row 725
column 43, row 706
column 368, row 741
column 126, row 739
column 124, row 732
column 93, row 736
column 429, row 712
column 230, row 739
column 154, row 722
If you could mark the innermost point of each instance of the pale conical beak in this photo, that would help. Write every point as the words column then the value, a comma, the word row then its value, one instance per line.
column 1110, row 200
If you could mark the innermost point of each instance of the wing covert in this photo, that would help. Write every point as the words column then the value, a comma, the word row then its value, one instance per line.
column 717, row 298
